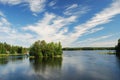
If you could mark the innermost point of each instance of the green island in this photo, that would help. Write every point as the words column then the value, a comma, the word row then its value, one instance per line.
column 42, row 49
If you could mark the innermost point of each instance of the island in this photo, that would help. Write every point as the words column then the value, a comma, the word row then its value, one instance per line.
column 43, row 49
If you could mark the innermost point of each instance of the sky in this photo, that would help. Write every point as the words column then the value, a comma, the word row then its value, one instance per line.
column 75, row 23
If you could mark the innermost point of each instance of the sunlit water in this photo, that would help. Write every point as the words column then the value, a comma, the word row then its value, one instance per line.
column 75, row 65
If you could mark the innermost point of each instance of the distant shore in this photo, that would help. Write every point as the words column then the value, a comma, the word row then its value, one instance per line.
column 89, row 48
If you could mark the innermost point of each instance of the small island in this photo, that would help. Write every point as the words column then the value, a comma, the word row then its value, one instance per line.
column 43, row 49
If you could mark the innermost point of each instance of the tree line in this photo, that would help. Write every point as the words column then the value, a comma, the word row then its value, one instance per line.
column 90, row 48
column 10, row 49
column 117, row 48
column 43, row 49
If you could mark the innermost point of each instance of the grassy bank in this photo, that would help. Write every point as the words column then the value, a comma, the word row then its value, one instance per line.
column 6, row 55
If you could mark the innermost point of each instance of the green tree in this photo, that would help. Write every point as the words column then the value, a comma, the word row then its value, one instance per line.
column 20, row 50
column 12, row 50
column 35, row 49
column 43, row 45
column 118, row 48
column 3, row 50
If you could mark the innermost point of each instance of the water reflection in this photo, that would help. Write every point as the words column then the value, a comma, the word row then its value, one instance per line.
column 47, row 68
column 75, row 65
column 118, row 61
column 6, row 60
column 3, row 61
column 43, row 63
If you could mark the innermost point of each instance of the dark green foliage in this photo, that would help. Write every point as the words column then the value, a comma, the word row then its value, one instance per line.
column 8, row 49
column 12, row 50
column 41, row 48
column 117, row 48
column 90, row 48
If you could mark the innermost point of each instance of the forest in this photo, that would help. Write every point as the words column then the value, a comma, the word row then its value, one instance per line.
column 7, row 49
column 89, row 48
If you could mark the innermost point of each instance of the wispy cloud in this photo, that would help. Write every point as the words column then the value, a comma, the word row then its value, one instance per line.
column 11, row 2
column 13, row 36
column 72, row 6
column 34, row 5
column 100, row 18
column 52, row 3
column 105, row 40
column 51, row 27
column 76, row 9
column 104, row 44
column 89, row 40
column 2, row 14
column 94, row 30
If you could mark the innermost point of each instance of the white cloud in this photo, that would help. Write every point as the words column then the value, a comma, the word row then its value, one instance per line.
column 51, row 27
column 52, row 3
column 89, row 40
column 94, row 30
column 56, row 28
column 13, row 36
column 99, row 19
column 76, row 10
column 72, row 6
column 103, row 43
column 34, row 14
column 11, row 2
column 106, row 41
column 4, row 23
column 34, row 5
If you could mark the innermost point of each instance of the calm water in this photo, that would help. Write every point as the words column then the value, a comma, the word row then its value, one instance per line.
column 75, row 65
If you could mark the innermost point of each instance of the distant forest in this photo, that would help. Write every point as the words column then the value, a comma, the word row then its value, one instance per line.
column 89, row 48
column 10, row 49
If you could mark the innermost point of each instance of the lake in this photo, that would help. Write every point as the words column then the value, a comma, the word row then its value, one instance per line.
column 74, row 65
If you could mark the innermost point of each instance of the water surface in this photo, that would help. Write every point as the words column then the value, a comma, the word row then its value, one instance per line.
column 75, row 65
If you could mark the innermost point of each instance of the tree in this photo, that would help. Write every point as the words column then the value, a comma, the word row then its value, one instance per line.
column 3, row 50
column 20, row 50
column 118, row 48
column 12, row 50
column 35, row 50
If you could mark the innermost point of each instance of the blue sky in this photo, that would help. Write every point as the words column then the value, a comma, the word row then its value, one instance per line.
column 76, row 23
